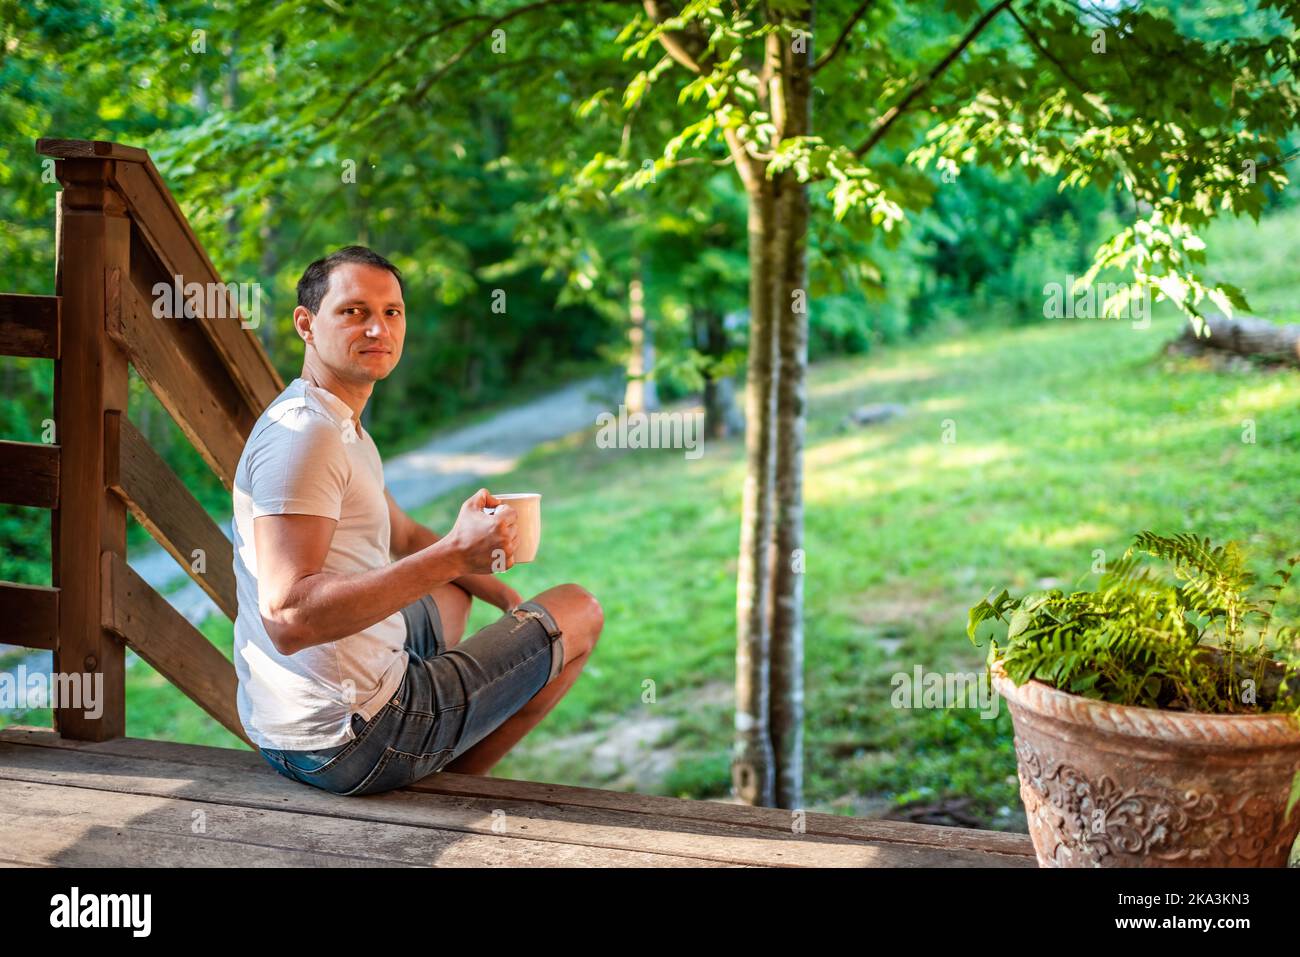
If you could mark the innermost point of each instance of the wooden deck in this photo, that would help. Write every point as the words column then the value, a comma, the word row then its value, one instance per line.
column 134, row 802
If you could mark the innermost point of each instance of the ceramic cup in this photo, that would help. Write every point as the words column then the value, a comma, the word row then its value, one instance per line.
column 528, row 521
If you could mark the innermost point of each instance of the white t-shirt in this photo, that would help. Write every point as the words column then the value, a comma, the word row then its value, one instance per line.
column 304, row 456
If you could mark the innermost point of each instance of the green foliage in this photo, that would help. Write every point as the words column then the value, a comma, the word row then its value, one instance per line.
column 1143, row 639
column 539, row 169
column 233, row 103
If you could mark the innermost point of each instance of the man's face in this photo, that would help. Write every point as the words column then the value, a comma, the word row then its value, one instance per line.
column 361, row 324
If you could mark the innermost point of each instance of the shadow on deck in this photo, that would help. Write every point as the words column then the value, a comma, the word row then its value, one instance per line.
column 142, row 803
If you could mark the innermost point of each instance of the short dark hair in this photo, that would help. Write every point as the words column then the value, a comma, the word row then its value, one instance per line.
column 316, row 279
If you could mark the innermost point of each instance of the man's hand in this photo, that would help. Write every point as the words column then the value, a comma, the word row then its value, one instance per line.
column 409, row 536
column 486, row 543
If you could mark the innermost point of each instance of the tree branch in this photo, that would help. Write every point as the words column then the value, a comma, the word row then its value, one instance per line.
column 1283, row 159
column 858, row 14
column 486, row 32
column 1042, row 48
column 423, row 38
column 684, row 47
column 394, row 57
column 891, row 115
column 687, row 49
column 696, row 160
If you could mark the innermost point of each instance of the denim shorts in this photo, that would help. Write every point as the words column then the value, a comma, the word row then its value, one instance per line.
column 448, row 701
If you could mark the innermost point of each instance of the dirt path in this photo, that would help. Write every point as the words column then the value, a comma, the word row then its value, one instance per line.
column 495, row 446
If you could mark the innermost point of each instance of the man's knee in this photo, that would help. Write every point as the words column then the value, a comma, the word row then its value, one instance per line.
column 578, row 613
column 596, row 612
column 593, row 616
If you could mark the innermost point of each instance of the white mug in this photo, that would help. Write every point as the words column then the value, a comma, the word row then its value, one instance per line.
column 528, row 521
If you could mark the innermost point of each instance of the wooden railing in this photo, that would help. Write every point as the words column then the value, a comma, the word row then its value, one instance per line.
column 119, row 233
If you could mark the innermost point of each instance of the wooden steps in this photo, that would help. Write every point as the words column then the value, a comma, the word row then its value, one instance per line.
column 134, row 802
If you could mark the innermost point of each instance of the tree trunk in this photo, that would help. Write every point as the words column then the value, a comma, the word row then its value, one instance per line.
column 269, row 267
column 721, row 417
column 777, row 271
column 752, row 770
column 788, row 559
column 1247, row 336
column 229, row 103
column 791, row 319
column 641, row 395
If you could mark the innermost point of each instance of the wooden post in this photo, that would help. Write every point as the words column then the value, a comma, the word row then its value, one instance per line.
column 90, row 378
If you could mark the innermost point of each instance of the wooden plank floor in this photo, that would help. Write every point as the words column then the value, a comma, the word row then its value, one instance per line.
column 133, row 802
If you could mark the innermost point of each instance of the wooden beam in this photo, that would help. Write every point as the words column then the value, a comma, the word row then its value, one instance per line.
column 93, row 149
column 173, row 242
column 181, row 369
column 30, row 615
column 160, row 635
column 29, row 474
column 161, row 221
column 89, row 378
column 29, row 326
column 162, row 504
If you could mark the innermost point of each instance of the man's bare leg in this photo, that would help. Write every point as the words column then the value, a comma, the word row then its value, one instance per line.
column 580, row 619
column 453, row 609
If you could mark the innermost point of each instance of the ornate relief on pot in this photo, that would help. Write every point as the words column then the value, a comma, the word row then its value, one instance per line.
column 1081, row 821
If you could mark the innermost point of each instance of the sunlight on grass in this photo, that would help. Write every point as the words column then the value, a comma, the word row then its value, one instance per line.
column 959, row 348
column 844, row 376
column 821, row 457
column 1261, row 398
column 1069, row 536
column 950, row 403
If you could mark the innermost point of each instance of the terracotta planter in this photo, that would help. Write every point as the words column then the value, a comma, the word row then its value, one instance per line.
column 1107, row 785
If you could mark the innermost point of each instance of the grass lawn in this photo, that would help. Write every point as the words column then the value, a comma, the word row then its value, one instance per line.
column 1068, row 437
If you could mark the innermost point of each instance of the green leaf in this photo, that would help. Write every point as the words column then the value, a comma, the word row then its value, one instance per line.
column 635, row 89
column 1295, row 794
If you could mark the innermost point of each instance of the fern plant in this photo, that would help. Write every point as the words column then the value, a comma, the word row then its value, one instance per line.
column 1177, row 623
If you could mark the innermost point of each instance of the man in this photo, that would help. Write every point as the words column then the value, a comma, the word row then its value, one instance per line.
column 352, row 673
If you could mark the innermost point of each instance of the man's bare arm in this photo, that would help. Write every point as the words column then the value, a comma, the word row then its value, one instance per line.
column 303, row 606
column 407, row 536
